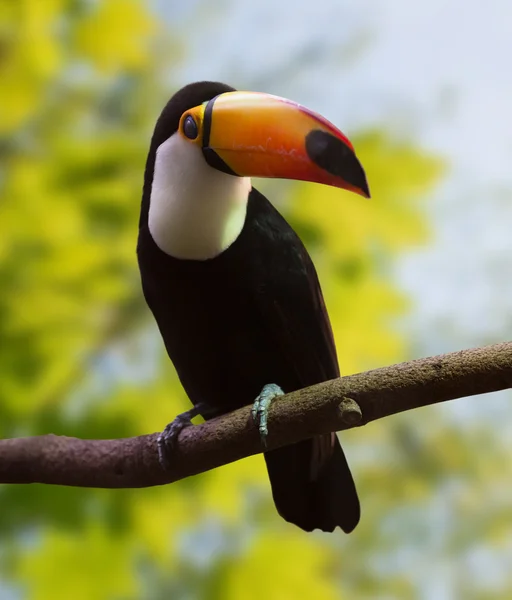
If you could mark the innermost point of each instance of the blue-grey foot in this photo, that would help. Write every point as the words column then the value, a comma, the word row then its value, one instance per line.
column 168, row 439
column 260, row 408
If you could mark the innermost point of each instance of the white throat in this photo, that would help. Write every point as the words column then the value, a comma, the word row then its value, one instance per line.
column 195, row 211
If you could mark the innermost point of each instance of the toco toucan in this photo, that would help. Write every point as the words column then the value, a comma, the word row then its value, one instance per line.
column 232, row 288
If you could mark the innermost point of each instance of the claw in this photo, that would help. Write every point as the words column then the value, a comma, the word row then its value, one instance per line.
column 261, row 406
column 168, row 439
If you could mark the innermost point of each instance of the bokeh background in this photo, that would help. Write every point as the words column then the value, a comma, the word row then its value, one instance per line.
column 424, row 90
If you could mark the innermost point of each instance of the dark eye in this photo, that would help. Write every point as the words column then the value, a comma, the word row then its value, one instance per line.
column 190, row 128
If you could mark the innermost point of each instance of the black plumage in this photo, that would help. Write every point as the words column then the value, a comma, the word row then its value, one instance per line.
column 251, row 316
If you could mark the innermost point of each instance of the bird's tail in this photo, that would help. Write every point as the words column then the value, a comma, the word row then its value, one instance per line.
column 312, row 485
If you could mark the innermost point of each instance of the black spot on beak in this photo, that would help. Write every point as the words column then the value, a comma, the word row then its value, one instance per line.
column 335, row 157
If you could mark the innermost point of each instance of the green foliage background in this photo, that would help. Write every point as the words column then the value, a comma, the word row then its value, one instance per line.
column 81, row 86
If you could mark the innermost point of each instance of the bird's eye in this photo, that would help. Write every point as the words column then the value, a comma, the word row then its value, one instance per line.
column 190, row 128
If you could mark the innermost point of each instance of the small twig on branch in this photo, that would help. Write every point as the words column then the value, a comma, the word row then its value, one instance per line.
column 330, row 406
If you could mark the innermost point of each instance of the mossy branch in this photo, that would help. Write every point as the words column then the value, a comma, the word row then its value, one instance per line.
column 334, row 405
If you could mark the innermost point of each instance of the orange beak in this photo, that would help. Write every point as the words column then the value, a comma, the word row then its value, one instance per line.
column 251, row 134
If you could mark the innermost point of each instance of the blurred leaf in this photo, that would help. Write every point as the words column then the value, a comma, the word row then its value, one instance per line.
column 116, row 34
column 30, row 56
column 281, row 567
column 75, row 557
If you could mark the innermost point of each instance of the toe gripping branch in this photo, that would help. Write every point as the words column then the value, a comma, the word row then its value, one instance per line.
column 261, row 407
column 168, row 439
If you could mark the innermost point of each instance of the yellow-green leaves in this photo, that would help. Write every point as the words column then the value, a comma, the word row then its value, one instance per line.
column 43, row 41
column 116, row 35
column 281, row 565
column 30, row 56
column 85, row 564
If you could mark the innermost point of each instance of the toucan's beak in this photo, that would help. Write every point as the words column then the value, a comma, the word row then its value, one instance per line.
column 259, row 135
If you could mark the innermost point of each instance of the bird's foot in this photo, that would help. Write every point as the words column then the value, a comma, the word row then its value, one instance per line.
column 260, row 408
column 168, row 439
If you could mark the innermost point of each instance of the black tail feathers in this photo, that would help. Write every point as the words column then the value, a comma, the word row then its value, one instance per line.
column 313, row 496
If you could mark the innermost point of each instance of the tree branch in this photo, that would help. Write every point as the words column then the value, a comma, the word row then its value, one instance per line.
column 330, row 406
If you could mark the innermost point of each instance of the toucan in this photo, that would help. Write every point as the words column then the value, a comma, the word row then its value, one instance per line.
column 234, row 292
